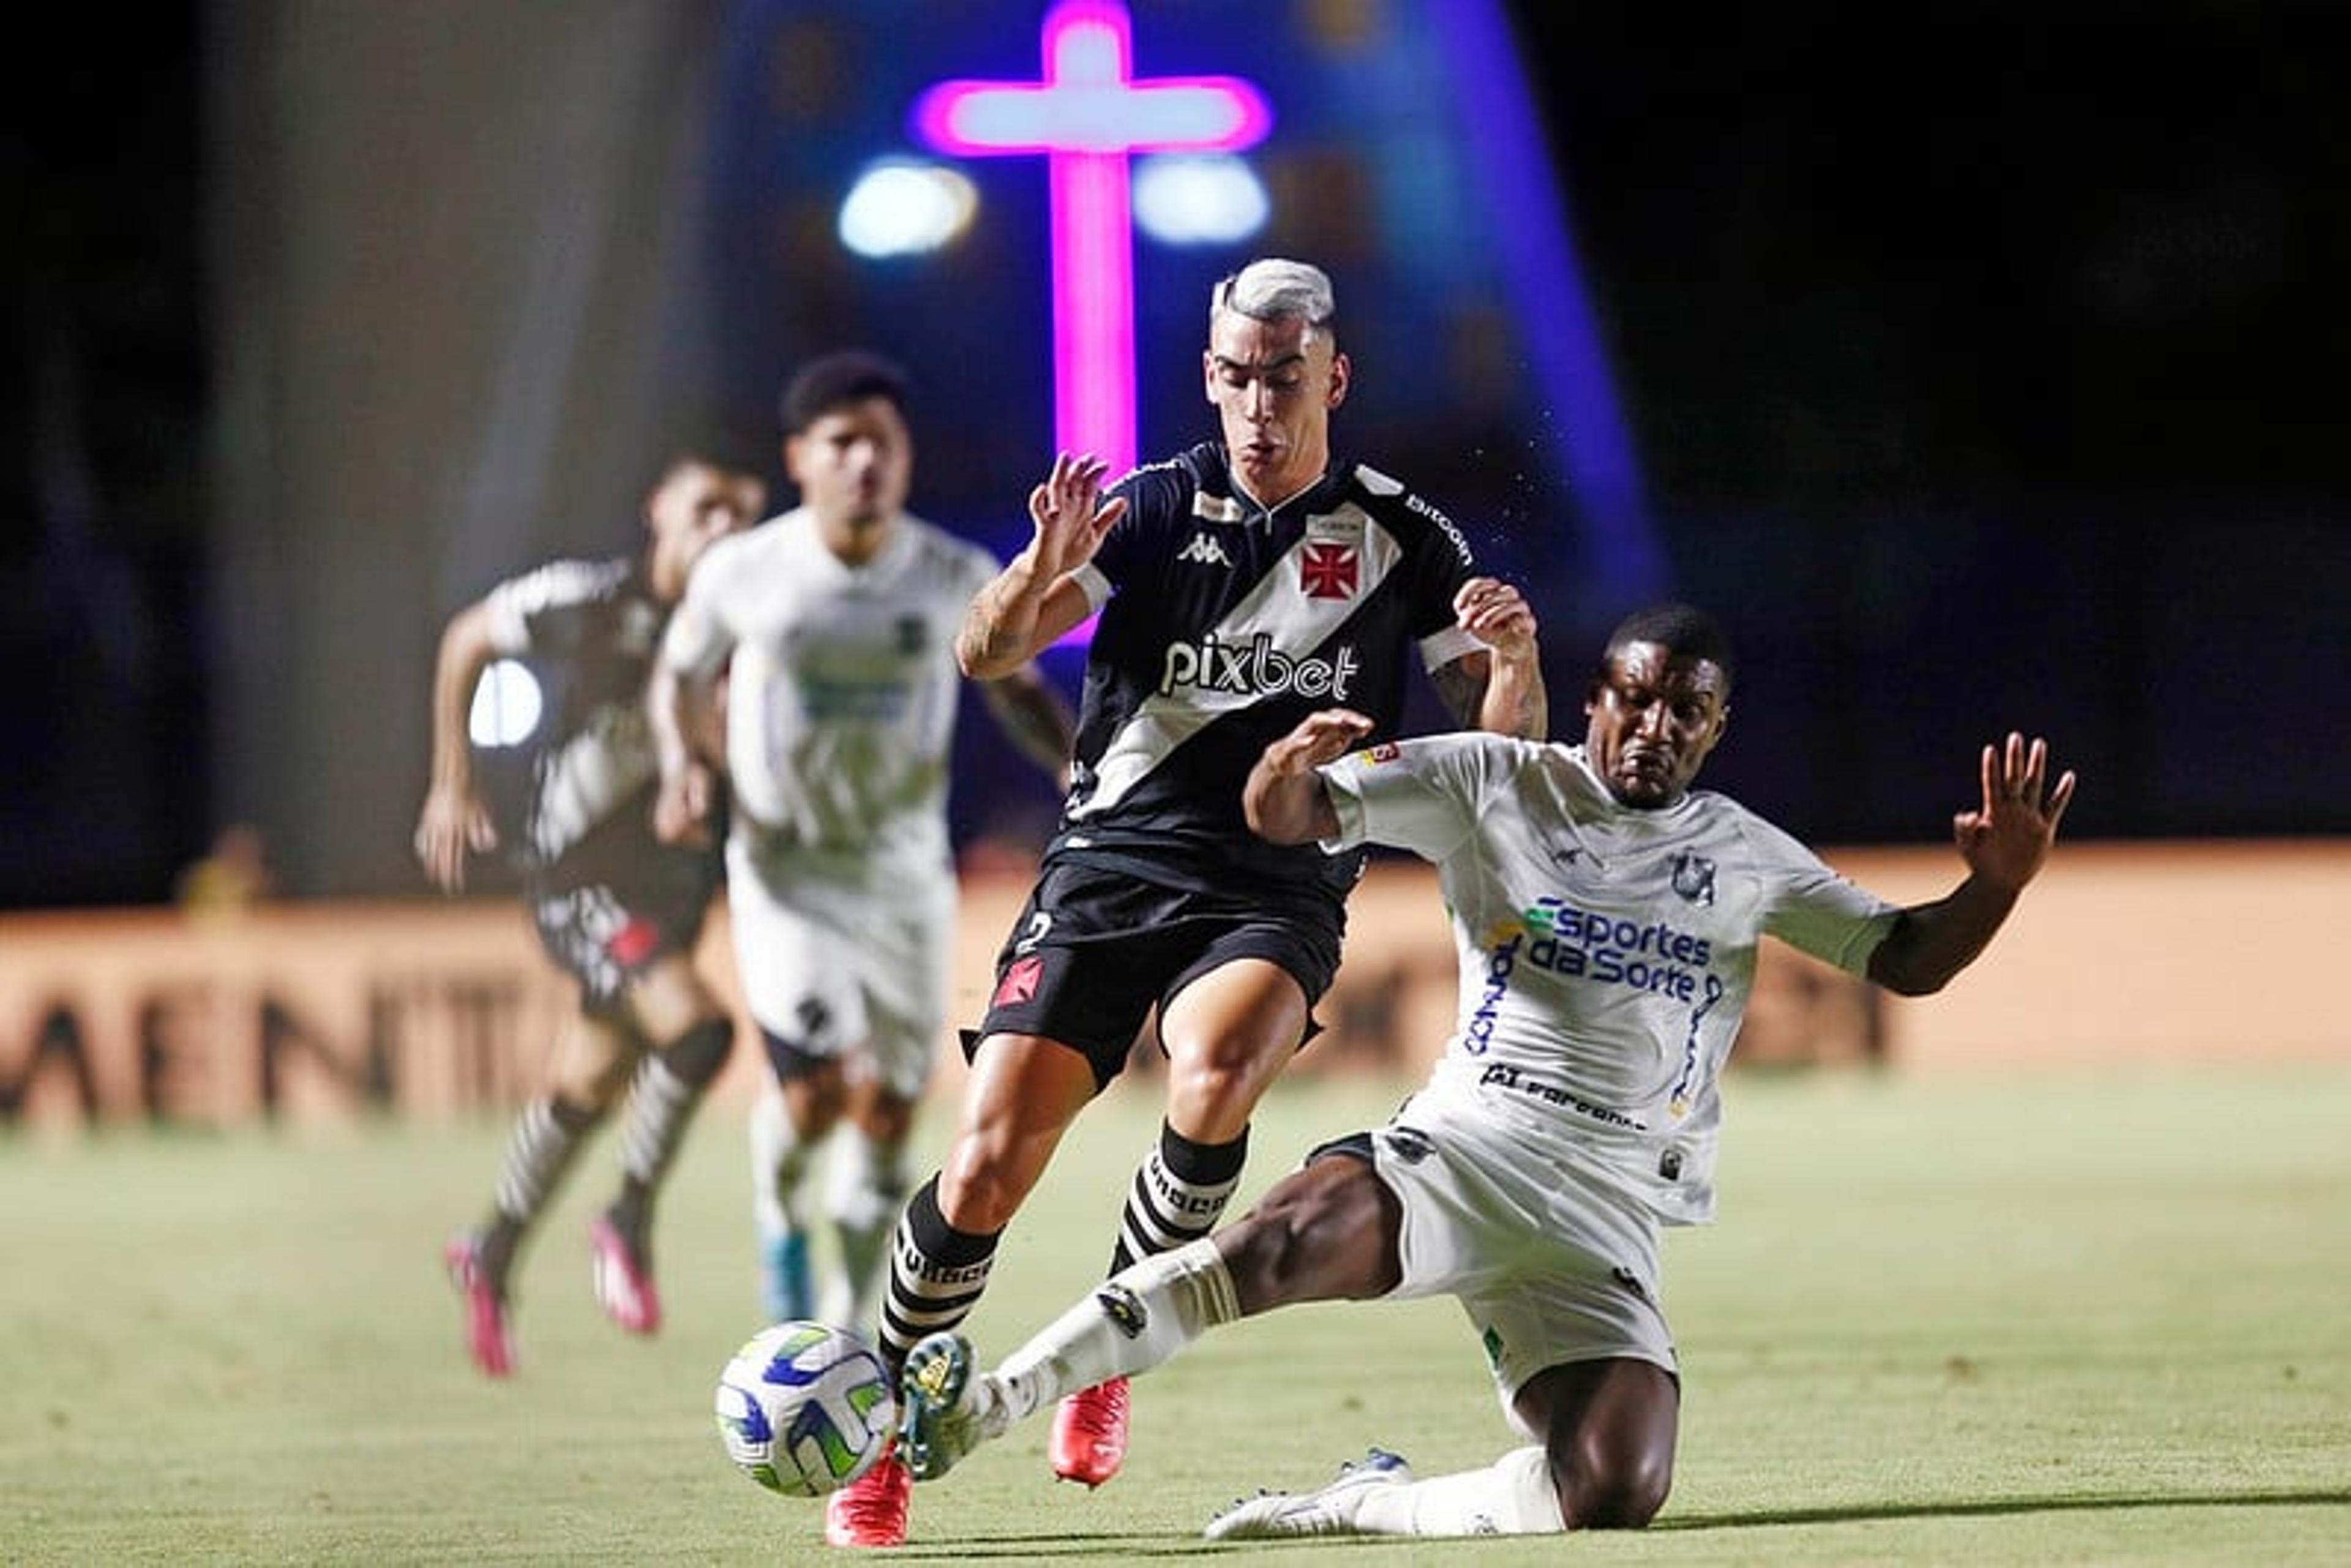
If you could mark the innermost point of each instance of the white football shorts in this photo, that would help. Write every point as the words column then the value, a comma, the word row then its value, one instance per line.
column 831, row 970
column 1552, row 1261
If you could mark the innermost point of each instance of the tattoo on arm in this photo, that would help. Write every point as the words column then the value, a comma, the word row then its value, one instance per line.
column 1461, row 690
column 1034, row 718
column 999, row 626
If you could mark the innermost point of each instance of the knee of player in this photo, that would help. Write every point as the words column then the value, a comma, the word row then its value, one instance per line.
column 885, row 1118
column 814, row 1087
column 982, row 1184
column 1211, row 1096
column 591, row 1089
column 815, row 1105
column 1605, row 1487
column 699, row 1051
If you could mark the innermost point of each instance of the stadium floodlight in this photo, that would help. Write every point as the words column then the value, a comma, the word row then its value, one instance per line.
column 901, row 207
column 1206, row 200
column 506, row 705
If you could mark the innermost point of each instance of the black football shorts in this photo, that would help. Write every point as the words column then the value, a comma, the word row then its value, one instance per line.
column 606, row 925
column 1095, row 950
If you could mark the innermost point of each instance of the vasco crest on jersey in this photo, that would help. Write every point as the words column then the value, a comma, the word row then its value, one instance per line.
column 1328, row 569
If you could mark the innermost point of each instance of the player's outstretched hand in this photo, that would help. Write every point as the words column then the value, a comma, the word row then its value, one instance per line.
column 1284, row 799
column 1071, row 515
column 2005, row 840
column 1324, row 735
column 454, row 823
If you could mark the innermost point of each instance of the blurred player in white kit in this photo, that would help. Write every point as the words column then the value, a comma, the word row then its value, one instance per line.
column 831, row 630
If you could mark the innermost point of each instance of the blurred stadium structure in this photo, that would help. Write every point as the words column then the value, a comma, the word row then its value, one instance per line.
column 340, row 1011
column 1977, row 386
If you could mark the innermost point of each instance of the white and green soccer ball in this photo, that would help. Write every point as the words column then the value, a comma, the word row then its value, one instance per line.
column 805, row 1408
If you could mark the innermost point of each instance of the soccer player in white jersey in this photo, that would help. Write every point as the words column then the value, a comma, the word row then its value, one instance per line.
column 1606, row 919
column 834, row 626
column 1240, row 585
column 616, row 909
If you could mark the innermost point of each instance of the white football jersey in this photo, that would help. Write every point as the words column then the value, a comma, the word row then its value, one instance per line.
column 841, row 690
column 1606, row 953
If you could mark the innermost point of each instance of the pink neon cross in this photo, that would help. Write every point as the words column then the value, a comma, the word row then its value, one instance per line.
column 1087, row 117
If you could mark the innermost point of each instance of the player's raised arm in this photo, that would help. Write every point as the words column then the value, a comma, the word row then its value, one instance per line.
column 2004, row 842
column 1284, row 799
column 1033, row 599
column 1501, row 687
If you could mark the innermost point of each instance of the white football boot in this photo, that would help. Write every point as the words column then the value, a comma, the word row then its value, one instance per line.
column 1329, row 1512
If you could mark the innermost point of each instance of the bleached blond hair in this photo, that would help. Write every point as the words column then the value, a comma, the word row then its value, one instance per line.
column 1274, row 289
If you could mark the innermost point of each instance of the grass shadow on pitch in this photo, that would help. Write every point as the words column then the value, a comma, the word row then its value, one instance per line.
column 1112, row 1546
column 1994, row 1508
column 1123, row 1547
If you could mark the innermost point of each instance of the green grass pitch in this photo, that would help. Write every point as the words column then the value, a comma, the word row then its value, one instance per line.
column 2055, row 1320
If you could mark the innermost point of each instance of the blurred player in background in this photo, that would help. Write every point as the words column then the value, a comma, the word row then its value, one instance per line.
column 615, row 909
column 1606, row 920
column 834, row 627
column 1240, row 585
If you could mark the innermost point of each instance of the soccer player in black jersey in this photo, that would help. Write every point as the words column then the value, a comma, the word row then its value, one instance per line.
column 615, row 908
column 1240, row 586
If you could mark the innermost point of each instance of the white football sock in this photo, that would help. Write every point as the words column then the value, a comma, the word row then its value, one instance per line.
column 1513, row 1496
column 866, row 1190
column 1130, row 1323
column 779, row 1167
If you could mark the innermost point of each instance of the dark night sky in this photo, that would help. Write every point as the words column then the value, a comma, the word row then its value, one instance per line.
column 1991, row 351
column 2085, row 253
column 2024, row 328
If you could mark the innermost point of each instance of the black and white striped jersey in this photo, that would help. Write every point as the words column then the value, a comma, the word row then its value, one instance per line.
column 599, row 622
column 1221, row 625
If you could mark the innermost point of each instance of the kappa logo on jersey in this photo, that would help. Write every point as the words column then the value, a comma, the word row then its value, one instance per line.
column 1255, row 668
column 1205, row 550
column 1327, row 570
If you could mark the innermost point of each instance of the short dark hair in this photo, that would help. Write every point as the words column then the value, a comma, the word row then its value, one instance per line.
column 832, row 380
column 1690, row 632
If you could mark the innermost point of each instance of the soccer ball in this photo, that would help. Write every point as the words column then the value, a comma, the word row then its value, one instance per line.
column 805, row 1408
